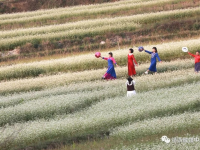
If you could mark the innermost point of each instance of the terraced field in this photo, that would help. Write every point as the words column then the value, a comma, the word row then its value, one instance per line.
column 62, row 103
column 89, row 28
column 82, row 28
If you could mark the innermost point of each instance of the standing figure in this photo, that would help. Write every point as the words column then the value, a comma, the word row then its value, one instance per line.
column 131, row 63
column 110, row 73
column 154, row 55
column 197, row 61
column 130, row 87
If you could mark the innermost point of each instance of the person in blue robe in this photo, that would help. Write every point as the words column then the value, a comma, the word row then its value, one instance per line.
column 154, row 57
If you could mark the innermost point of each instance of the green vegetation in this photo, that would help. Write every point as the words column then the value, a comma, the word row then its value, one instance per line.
column 73, row 34
column 63, row 103
column 114, row 112
column 167, row 51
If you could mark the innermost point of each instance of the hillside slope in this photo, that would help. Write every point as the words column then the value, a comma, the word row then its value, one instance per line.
column 11, row 6
column 52, row 95
column 82, row 28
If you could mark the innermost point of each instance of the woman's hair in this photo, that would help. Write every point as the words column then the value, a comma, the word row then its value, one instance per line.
column 198, row 52
column 129, row 80
column 155, row 49
column 131, row 50
column 111, row 54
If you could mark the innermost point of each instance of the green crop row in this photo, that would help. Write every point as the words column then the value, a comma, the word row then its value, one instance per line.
column 167, row 52
column 106, row 115
column 46, row 106
column 12, row 39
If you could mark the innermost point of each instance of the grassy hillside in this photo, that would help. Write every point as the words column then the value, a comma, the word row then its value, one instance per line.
column 13, row 6
column 65, row 117
column 168, row 51
column 52, row 96
column 71, row 30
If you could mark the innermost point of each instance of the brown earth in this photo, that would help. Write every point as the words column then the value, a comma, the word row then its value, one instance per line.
column 12, row 6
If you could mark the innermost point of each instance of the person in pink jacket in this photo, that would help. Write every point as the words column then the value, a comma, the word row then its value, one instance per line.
column 110, row 73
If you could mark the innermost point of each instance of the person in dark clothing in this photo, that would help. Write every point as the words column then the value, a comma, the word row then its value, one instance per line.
column 130, row 83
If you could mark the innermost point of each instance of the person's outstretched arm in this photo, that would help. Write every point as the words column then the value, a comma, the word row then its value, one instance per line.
column 158, row 57
column 191, row 54
column 105, row 58
column 148, row 52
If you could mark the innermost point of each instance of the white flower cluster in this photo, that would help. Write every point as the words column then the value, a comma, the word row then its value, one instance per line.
column 170, row 50
column 69, row 100
column 92, row 75
column 110, row 113
column 158, row 145
column 77, row 10
column 166, row 125
column 47, row 103
column 91, row 27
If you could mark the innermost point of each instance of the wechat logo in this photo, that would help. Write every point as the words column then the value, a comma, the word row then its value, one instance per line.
column 165, row 139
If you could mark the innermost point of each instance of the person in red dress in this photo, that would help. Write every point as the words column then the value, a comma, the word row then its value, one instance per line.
column 131, row 63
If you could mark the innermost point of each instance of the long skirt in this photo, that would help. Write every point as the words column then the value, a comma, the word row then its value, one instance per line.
column 197, row 67
column 153, row 67
column 110, row 73
column 131, row 70
column 131, row 93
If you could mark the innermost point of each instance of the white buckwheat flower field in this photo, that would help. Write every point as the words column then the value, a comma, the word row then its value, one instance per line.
column 61, row 103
